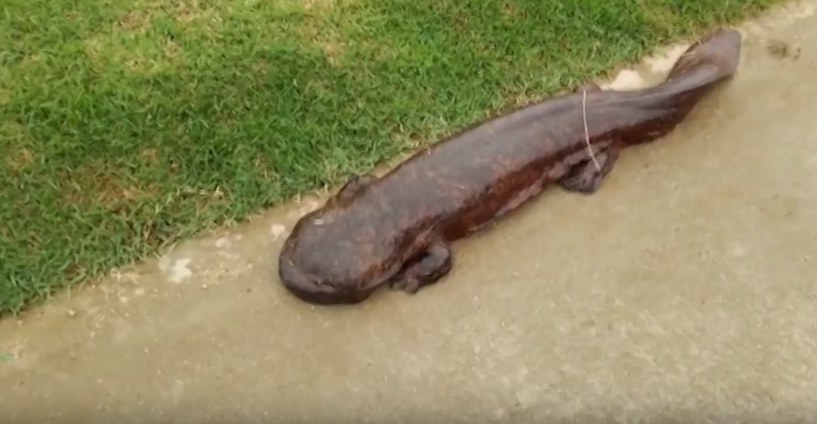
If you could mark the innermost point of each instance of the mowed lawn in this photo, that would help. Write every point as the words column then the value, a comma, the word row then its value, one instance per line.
column 126, row 125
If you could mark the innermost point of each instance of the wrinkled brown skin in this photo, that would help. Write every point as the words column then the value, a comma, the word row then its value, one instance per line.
column 397, row 229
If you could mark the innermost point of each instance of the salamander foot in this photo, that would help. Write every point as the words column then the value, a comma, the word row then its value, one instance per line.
column 585, row 177
column 429, row 269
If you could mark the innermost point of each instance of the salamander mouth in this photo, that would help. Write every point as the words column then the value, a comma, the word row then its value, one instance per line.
column 307, row 289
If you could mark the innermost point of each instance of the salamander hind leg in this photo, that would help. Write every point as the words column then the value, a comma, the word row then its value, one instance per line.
column 354, row 185
column 585, row 177
column 430, row 268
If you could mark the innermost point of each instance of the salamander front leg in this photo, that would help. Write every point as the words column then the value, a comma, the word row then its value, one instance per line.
column 430, row 268
column 584, row 177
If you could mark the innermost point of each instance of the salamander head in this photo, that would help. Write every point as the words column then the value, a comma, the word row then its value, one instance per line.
column 321, row 291
column 332, row 258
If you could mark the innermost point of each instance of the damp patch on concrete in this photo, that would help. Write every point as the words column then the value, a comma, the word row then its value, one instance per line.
column 176, row 270
column 277, row 230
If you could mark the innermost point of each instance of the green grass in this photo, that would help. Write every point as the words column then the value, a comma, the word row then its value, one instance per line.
column 128, row 124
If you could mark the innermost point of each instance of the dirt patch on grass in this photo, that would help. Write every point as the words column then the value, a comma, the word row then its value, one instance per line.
column 312, row 6
column 188, row 11
column 100, row 185
column 134, row 26
column 5, row 97
column 327, row 38
column 142, row 15
column 333, row 50
column 135, row 21
column 20, row 160
column 151, row 156
column 16, row 142
column 144, row 56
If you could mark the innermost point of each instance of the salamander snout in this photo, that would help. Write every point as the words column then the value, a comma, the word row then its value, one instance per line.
column 313, row 290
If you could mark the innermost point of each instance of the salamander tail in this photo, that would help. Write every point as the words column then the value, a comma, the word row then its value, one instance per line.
column 720, row 49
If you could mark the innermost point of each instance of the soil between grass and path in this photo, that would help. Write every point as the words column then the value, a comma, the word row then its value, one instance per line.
column 128, row 125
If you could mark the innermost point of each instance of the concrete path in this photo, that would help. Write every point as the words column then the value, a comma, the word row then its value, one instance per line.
column 684, row 291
